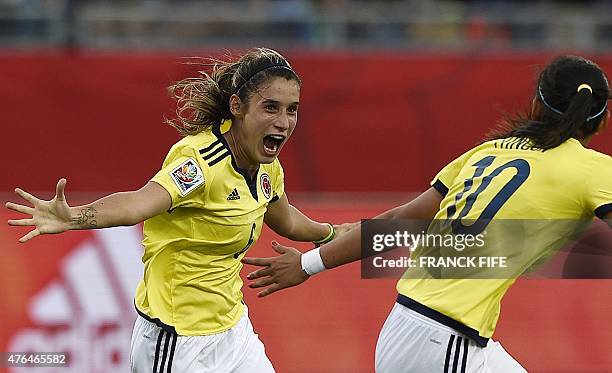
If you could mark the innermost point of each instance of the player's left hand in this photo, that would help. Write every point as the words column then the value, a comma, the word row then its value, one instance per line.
column 279, row 272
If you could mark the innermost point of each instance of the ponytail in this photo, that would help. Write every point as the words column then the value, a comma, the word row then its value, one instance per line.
column 203, row 102
column 573, row 92
column 576, row 115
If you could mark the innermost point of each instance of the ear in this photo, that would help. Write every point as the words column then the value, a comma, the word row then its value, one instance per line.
column 535, row 108
column 235, row 104
column 604, row 122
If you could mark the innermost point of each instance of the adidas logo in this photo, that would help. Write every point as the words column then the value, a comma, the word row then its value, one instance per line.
column 233, row 195
column 87, row 310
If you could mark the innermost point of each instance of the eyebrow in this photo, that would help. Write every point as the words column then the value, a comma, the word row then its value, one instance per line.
column 271, row 101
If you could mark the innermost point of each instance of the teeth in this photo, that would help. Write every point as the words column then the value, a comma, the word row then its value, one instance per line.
column 274, row 144
column 272, row 149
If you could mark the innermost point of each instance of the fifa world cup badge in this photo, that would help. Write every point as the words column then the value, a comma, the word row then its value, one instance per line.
column 187, row 176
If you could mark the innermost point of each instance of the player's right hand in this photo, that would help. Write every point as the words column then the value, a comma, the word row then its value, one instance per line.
column 47, row 217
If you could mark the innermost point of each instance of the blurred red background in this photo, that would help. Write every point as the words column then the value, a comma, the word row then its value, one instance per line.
column 369, row 123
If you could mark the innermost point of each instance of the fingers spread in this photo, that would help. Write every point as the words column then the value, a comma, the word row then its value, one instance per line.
column 29, row 236
column 19, row 208
column 261, row 283
column 22, row 222
column 269, row 290
column 59, row 190
column 279, row 248
column 262, row 262
column 260, row 273
column 25, row 195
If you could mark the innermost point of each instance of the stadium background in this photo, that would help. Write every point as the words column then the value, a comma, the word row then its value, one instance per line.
column 392, row 91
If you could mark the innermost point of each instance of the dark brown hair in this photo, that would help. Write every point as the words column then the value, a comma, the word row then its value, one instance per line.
column 203, row 101
column 566, row 112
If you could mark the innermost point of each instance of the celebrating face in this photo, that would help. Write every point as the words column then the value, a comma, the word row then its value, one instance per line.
column 268, row 120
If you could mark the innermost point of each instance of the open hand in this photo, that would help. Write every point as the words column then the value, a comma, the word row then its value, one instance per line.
column 47, row 217
column 279, row 272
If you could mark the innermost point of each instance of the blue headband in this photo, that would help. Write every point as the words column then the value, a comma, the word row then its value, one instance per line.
column 562, row 113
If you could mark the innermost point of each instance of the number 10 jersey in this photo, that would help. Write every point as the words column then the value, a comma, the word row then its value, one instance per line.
column 510, row 180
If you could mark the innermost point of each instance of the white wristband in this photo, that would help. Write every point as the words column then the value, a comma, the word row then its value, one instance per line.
column 312, row 263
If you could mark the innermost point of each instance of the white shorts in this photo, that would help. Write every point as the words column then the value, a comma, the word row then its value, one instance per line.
column 237, row 350
column 411, row 342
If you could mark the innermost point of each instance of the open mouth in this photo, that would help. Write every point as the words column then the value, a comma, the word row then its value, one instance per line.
column 272, row 143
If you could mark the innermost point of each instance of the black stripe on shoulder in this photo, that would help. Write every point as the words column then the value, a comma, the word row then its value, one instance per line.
column 213, row 153
column 274, row 199
column 218, row 159
column 440, row 187
column 210, row 147
column 603, row 210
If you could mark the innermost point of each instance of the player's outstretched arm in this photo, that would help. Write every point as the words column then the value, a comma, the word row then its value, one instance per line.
column 286, row 270
column 608, row 219
column 347, row 249
column 286, row 220
column 56, row 216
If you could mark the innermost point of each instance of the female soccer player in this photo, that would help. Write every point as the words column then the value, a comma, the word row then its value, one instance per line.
column 537, row 168
column 201, row 213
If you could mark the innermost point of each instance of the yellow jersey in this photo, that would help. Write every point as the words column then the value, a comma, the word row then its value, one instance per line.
column 509, row 179
column 191, row 283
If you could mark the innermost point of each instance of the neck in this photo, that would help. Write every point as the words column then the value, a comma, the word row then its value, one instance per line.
column 585, row 142
column 240, row 155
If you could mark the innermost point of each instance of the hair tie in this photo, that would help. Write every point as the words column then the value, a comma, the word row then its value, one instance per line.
column 582, row 86
column 559, row 112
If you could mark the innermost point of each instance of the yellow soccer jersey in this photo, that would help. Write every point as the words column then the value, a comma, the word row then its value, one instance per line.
column 510, row 179
column 192, row 252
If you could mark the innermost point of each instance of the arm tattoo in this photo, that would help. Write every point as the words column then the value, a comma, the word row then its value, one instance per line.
column 86, row 218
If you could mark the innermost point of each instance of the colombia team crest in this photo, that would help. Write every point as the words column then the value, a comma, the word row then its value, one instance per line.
column 187, row 176
column 266, row 186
